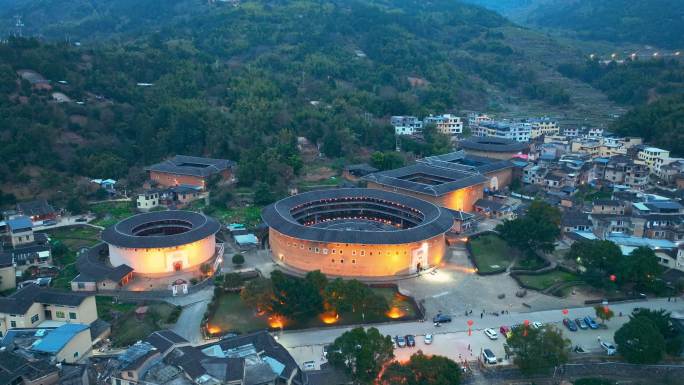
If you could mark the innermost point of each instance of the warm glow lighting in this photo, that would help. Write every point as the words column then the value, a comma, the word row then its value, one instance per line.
column 276, row 322
column 330, row 317
column 438, row 276
column 213, row 329
column 463, row 269
column 395, row 313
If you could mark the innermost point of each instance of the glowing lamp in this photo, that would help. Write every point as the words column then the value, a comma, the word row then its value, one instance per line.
column 612, row 278
column 565, row 311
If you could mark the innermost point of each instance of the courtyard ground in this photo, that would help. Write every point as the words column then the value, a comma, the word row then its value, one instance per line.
column 491, row 253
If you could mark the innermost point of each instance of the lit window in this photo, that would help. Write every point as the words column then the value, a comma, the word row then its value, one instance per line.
column 354, row 261
column 317, row 250
column 332, row 260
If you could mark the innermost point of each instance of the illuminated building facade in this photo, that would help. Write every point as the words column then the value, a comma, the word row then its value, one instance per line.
column 163, row 242
column 357, row 232
column 190, row 171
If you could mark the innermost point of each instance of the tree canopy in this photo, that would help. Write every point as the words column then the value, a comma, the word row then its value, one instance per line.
column 640, row 342
column 598, row 259
column 537, row 350
column 536, row 231
column 361, row 353
column 422, row 370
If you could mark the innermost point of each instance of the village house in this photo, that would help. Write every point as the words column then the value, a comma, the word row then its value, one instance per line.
column 38, row 210
column 31, row 305
column 191, row 171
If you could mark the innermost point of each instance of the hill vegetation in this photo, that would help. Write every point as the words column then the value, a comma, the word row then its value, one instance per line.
column 243, row 82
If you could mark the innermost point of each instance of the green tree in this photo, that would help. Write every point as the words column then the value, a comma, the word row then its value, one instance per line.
column 238, row 259
column 661, row 319
column 536, row 231
column 263, row 194
column 361, row 353
column 258, row 293
column 538, row 350
column 387, row 160
column 423, row 370
column 354, row 296
column 598, row 259
column 437, row 142
column 603, row 313
column 640, row 342
column 297, row 298
column 640, row 268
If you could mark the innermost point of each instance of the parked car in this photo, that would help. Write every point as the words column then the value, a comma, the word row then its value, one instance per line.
column 581, row 323
column 427, row 339
column 401, row 341
column 49, row 222
column 81, row 219
column 590, row 321
column 488, row 357
column 608, row 347
column 491, row 333
column 441, row 318
column 569, row 324
column 410, row 340
column 537, row 325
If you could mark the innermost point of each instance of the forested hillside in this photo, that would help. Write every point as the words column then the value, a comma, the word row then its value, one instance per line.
column 654, row 87
column 236, row 81
column 655, row 22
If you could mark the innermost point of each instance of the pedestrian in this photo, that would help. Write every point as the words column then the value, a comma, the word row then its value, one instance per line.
column 481, row 315
column 668, row 299
column 468, row 347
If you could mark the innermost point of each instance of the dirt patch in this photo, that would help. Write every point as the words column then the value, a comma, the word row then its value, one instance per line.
column 319, row 173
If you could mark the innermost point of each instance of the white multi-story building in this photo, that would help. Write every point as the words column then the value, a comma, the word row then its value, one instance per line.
column 571, row 132
column 517, row 131
column 654, row 158
column 446, row 124
column 595, row 132
column 406, row 125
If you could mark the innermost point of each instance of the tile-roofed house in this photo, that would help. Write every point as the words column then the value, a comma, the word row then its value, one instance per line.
column 15, row 369
column 32, row 304
column 608, row 206
column 453, row 189
column 573, row 220
column 67, row 343
column 164, row 340
column 190, row 170
column 94, row 273
column 37, row 210
column 492, row 208
column 355, row 171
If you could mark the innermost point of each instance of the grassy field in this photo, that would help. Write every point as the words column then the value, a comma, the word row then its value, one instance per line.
column 126, row 327
column 491, row 253
column 232, row 315
column 249, row 216
column 109, row 213
column 530, row 262
column 544, row 281
column 74, row 238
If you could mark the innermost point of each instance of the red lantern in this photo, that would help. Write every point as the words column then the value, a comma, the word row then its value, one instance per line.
column 470, row 330
column 565, row 311
column 470, row 322
column 612, row 278
column 527, row 324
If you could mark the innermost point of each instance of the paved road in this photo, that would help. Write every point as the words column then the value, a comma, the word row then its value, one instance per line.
column 452, row 339
column 194, row 306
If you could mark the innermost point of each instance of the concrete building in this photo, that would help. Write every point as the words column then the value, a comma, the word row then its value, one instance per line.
column 191, row 171
column 446, row 124
column 516, row 131
column 653, row 158
column 29, row 306
column 543, row 127
column 406, row 125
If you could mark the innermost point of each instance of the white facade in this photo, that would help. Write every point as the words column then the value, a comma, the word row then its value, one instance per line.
column 164, row 260
column 654, row 158
column 543, row 126
column 147, row 201
column 406, row 125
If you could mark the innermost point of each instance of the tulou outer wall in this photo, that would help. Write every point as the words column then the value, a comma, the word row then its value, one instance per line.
column 162, row 260
column 356, row 260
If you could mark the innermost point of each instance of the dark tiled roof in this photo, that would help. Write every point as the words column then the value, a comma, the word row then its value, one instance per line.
column 575, row 218
column 460, row 161
column 123, row 234
column 92, row 268
column 607, row 202
column 434, row 220
column 493, row 144
column 13, row 367
column 453, row 179
column 362, row 168
column 21, row 300
column 491, row 205
column 163, row 340
column 37, row 207
column 192, row 165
